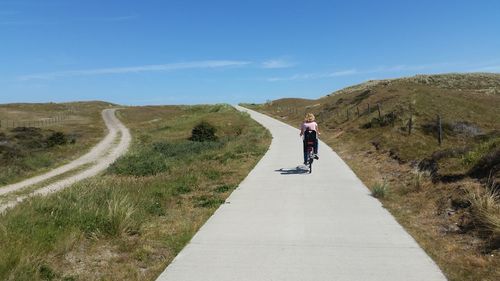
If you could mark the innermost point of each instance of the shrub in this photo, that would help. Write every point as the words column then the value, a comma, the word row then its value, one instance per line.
column 202, row 132
column 57, row 138
column 380, row 190
column 385, row 120
column 479, row 151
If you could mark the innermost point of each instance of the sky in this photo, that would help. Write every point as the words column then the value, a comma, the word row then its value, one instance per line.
column 231, row 51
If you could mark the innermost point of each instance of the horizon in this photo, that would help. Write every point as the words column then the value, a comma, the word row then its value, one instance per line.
column 262, row 102
column 192, row 52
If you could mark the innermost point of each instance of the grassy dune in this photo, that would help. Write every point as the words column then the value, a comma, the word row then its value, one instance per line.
column 26, row 151
column 445, row 195
column 129, row 223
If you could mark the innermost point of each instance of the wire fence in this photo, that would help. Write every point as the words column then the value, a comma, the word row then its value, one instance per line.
column 42, row 122
column 354, row 112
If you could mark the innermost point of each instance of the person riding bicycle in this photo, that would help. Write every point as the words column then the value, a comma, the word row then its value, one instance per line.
column 309, row 130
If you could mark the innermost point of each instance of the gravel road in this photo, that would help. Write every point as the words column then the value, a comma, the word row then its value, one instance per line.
column 102, row 155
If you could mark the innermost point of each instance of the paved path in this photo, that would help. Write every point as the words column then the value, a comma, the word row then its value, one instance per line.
column 101, row 155
column 286, row 225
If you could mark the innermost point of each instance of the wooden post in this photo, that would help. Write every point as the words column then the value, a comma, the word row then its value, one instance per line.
column 410, row 124
column 440, row 130
column 347, row 113
column 379, row 113
column 357, row 109
column 369, row 111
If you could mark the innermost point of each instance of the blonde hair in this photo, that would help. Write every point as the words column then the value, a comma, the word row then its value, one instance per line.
column 309, row 117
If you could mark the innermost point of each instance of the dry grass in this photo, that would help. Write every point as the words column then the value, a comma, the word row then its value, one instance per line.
column 485, row 207
column 437, row 214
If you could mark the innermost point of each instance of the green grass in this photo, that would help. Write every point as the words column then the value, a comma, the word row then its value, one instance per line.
column 129, row 223
column 479, row 151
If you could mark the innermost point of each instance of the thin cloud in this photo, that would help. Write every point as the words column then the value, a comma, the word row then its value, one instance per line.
column 114, row 19
column 22, row 22
column 105, row 19
column 277, row 63
column 491, row 68
column 342, row 73
column 9, row 13
column 136, row 69
column 309, row 76
column 377, row 70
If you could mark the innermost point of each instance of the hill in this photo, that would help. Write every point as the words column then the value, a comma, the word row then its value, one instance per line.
column 445, row 194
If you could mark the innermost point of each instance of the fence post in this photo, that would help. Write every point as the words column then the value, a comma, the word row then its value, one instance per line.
column 347, row 113
column 379, row 113
column 369, row 108
column 440, row 130
column 410, row 124
column 357, row 109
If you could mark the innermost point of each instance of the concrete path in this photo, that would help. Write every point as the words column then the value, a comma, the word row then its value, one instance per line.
column 102, row 155
column 280, row 224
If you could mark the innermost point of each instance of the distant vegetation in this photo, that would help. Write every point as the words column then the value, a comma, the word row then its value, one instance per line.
column 446, row 195
column 129, row 223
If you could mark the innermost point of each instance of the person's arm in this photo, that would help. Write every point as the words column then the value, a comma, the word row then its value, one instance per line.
column 301, row 129
column 317, row 129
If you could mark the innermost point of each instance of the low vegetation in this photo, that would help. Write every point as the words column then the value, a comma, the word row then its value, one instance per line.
column 35, row 138
column 446, row 195
column 380, row 190
column 129, row 223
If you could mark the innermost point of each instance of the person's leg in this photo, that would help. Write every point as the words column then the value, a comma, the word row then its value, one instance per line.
column 305, row 151
column 315, row 148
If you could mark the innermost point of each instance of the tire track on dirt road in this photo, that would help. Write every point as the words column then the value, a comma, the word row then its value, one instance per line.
column 103, row 155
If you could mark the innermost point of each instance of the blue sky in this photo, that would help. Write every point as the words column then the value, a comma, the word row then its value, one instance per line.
column 187, row 52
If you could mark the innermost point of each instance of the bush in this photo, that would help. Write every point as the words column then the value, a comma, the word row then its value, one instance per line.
column 385, row 120
column 57, row 138
column 202, row 132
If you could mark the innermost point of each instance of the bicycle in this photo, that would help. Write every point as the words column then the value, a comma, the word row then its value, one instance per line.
column 310, row 140
column 310, row 154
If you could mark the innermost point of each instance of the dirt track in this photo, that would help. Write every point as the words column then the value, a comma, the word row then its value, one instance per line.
column 101, row 155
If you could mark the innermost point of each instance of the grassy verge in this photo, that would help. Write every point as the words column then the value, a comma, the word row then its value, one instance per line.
column 28, row 151
column 129, row 223
column 451, row 204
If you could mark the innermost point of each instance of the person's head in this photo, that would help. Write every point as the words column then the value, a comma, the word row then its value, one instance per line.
column 309, row 117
